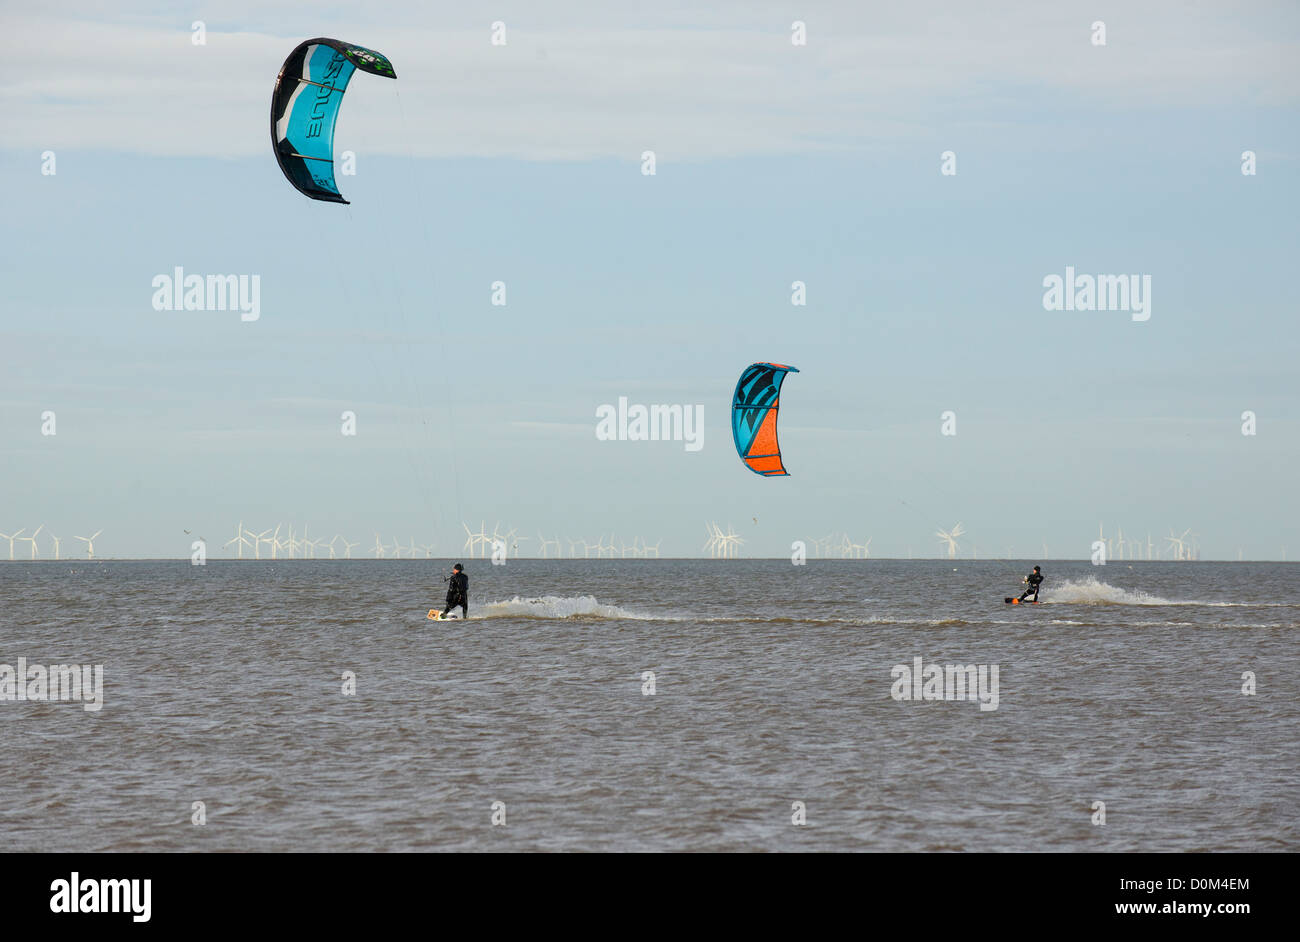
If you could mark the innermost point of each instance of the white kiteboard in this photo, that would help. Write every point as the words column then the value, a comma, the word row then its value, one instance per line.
column 437, row 615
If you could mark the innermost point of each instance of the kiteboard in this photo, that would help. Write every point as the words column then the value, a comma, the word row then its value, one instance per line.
column 437, row 615
column 1011, row 601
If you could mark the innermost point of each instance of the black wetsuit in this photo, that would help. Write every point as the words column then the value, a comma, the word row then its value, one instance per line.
column 457, row 594
column 1035, row 579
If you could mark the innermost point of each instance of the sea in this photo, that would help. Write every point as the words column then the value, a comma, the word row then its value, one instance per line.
column 652, row 705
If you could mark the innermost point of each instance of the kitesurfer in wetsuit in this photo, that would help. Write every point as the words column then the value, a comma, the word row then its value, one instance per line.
column 457, row 592
column 1032, row 582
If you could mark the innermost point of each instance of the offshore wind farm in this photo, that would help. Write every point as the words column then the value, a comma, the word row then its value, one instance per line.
column 284, row 542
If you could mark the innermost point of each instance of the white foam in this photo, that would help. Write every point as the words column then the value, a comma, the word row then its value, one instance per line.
column 1091, row 592
column 554, row 606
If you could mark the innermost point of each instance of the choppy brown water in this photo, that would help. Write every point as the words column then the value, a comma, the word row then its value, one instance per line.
column 223, row 685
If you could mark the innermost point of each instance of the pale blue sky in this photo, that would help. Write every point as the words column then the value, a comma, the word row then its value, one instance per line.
column 522, row 164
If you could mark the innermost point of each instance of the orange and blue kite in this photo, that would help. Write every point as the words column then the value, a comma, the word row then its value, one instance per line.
column 753, row 417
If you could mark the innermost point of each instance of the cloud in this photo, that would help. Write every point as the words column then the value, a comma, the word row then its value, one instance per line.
column 579, row 82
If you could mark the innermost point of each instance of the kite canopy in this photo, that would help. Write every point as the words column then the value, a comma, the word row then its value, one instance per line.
column 305, row 105
column 753, row 417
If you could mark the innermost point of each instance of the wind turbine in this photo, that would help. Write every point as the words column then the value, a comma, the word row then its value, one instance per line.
column 90, row 543
column 950, row 537
column 731, row 544
column 715, row 543
column 347, row 548
column 379, row 548
column 476, row 540
column 11, row 539
column 56, row 545
column 720, row 546
column 507, row 539
column 736, row 541
column 652, row 548
column 32, row 539
column 258, row 540
column 239, row 539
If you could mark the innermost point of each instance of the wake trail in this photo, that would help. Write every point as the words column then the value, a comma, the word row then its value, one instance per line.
column 1092, row 591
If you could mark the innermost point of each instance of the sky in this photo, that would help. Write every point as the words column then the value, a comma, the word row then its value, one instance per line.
column 775, row 163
